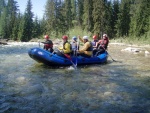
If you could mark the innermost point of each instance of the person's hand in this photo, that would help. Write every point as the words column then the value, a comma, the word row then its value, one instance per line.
column 60, row 48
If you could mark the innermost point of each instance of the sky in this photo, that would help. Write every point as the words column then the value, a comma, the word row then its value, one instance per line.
column 38, row 6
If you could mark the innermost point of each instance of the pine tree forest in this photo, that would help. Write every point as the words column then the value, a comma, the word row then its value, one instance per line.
column 117, row 18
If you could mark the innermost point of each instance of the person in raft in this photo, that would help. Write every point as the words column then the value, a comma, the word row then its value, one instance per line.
column 48, row 44
column 66, row 49
column 86, row 50
column 74, row 45
column 95, row 40
column 101, row 45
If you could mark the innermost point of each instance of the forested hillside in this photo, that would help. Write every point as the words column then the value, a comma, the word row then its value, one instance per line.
column 117, row 18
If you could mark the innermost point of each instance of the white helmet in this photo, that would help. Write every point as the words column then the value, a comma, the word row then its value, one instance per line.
column 104, row 35
column 85, row 37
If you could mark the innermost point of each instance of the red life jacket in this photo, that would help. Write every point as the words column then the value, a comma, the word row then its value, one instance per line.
column 103, row 43
column 48, row 44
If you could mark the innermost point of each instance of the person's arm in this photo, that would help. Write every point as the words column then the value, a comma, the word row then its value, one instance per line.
column 96, row 45
column 80, row 39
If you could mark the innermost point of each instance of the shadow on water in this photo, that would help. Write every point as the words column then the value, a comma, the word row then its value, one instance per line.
column 114, row 87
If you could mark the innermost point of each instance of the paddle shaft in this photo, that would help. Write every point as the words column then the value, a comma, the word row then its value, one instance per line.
column 39, row 44
column 77, row 50
column 108, row 53
column 69, row 59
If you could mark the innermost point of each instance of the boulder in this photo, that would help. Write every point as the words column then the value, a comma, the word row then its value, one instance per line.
column 3, row 43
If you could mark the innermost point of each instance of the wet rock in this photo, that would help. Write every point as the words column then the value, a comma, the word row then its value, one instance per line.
column 131, row 49
column 3, row 43
column 147, row 53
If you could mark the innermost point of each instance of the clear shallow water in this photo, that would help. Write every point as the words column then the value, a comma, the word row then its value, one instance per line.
column 116, row 87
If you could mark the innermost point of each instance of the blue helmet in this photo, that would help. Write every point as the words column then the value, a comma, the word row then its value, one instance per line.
column 74, row 38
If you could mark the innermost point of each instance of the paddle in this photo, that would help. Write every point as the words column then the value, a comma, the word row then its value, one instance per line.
column 108, row 53
column 39, row 43
column 110, row 56
column 68, row 57
column 77, row 50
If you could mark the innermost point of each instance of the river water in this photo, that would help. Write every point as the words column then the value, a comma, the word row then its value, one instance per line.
column 120, row 86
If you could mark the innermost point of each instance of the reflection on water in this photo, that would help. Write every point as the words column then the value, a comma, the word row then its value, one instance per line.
column 116, row 87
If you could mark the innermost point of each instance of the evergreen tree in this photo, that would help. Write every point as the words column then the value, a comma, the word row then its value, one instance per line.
column 43, row 24
column 98, row 16
column 12, row 17
column 4, row 23
column 55, row 17
column 27, row 23
column 80, row 12
column 108, row 26
column 88, row 18
column 62, row 23
column 123, row 22
column 142, row 18
column 2, row 20
column 50, row 14
column 68, row 13
column 16, row 29
column 74, row 12
column 36, row 28
column 21, row 32
column 114, row 16
column 2, row 5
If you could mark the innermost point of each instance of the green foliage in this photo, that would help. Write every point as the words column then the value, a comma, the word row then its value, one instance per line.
column 36, row 28
column 98, row 15
column 12, row 17
column 87, row 17
column 80, row 13
column 68, row 13
column 55, row 17
column 2, row 5
column 123, row 21
column 4, row 24
column 74, row 12
column 140, row 19
column 102, row 16
column 26, row 24
column 21, row 35
column 77, row 31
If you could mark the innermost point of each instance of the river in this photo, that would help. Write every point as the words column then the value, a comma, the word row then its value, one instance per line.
column 120, row 86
